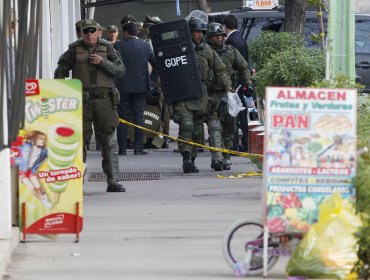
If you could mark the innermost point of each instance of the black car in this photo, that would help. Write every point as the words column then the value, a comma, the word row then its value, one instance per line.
column 253, row 22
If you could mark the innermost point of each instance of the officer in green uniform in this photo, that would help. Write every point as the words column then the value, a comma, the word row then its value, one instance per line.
column 95, row 62
column 237, row 69
column 191, row 114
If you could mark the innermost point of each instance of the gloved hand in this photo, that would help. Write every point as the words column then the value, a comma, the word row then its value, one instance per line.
column 247, row 90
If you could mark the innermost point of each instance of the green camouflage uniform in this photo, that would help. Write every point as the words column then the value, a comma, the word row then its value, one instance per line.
column 99, row 98
column 237, row 70
column 191, row 114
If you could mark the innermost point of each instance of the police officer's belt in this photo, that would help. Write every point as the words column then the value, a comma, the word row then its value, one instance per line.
column 96, row 94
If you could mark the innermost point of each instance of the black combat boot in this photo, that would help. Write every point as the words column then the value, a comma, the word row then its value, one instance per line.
column 227, row 164
column 217, row 165
column 110, row 164
column 115, row 187
column 165, row 144
column 195, row 169
column 187, row 165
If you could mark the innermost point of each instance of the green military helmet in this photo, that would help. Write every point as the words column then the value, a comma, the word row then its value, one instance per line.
column 196, row 24
column 215, row 29
column 212, row 30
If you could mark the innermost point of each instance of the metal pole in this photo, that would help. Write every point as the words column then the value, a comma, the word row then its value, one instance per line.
column 83, row 9
column 265, row 250
column 341, row 39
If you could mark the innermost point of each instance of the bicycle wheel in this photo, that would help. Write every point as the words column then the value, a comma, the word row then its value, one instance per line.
column 235, row 243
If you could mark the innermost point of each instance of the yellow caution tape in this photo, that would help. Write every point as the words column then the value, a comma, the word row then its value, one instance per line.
column 193, row 143
column 241, row 175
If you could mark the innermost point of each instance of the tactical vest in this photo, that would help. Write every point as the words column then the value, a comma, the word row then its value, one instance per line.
column 91, row 75
column 202, row 55
column 228, row 57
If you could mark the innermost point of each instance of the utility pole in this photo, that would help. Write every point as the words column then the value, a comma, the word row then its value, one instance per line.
column 341, row 40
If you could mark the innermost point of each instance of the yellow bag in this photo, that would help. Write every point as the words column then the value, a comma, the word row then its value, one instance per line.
column 328, row 250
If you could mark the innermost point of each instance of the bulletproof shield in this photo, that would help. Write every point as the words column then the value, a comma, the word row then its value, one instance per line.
column 173, row 49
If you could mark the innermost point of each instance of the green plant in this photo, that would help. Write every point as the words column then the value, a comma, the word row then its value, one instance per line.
column 267, row 44
column 361, row 182
column 341, row 81
column 295, row 67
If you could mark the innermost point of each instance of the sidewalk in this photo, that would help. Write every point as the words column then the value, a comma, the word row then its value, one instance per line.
column 7, row 247
column 171, row 228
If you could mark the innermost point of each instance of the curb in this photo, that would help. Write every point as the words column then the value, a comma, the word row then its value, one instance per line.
column 6, row 248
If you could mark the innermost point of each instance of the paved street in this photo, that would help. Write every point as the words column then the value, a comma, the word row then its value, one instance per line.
column 170, row 228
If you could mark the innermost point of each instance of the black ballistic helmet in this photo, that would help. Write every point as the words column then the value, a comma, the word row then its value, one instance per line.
column 196, row 24
column 215, row 29
column 153, row 19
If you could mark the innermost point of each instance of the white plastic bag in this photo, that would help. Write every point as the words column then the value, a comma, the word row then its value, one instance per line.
column 234, row 104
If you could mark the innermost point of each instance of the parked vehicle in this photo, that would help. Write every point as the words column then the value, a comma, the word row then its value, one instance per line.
column 253, row 22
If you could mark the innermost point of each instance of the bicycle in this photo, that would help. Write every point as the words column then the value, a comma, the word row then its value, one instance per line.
column 243, row 247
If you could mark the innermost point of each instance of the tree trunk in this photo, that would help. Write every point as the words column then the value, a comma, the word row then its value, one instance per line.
column 295, row 16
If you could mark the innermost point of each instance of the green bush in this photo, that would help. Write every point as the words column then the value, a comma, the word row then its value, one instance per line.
column 294, row 67
column 267, row 44
column 282, row 60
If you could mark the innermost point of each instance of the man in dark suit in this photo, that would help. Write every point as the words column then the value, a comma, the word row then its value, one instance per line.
column 236, row 40
column 233, row 37
column 134, row 85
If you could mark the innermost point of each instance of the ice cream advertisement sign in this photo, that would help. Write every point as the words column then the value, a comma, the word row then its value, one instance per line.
column 50, row 159
column 310, row 153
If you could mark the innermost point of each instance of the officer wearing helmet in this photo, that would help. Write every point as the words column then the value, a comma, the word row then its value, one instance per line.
column 191, row 114
column 237, row 70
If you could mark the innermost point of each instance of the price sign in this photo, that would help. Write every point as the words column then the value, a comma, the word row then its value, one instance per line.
column 261, row 4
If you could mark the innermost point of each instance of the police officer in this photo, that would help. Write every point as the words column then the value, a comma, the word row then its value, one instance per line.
column 112, row 34
column 95, row 62
column 190, row 114
column 237, row 69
